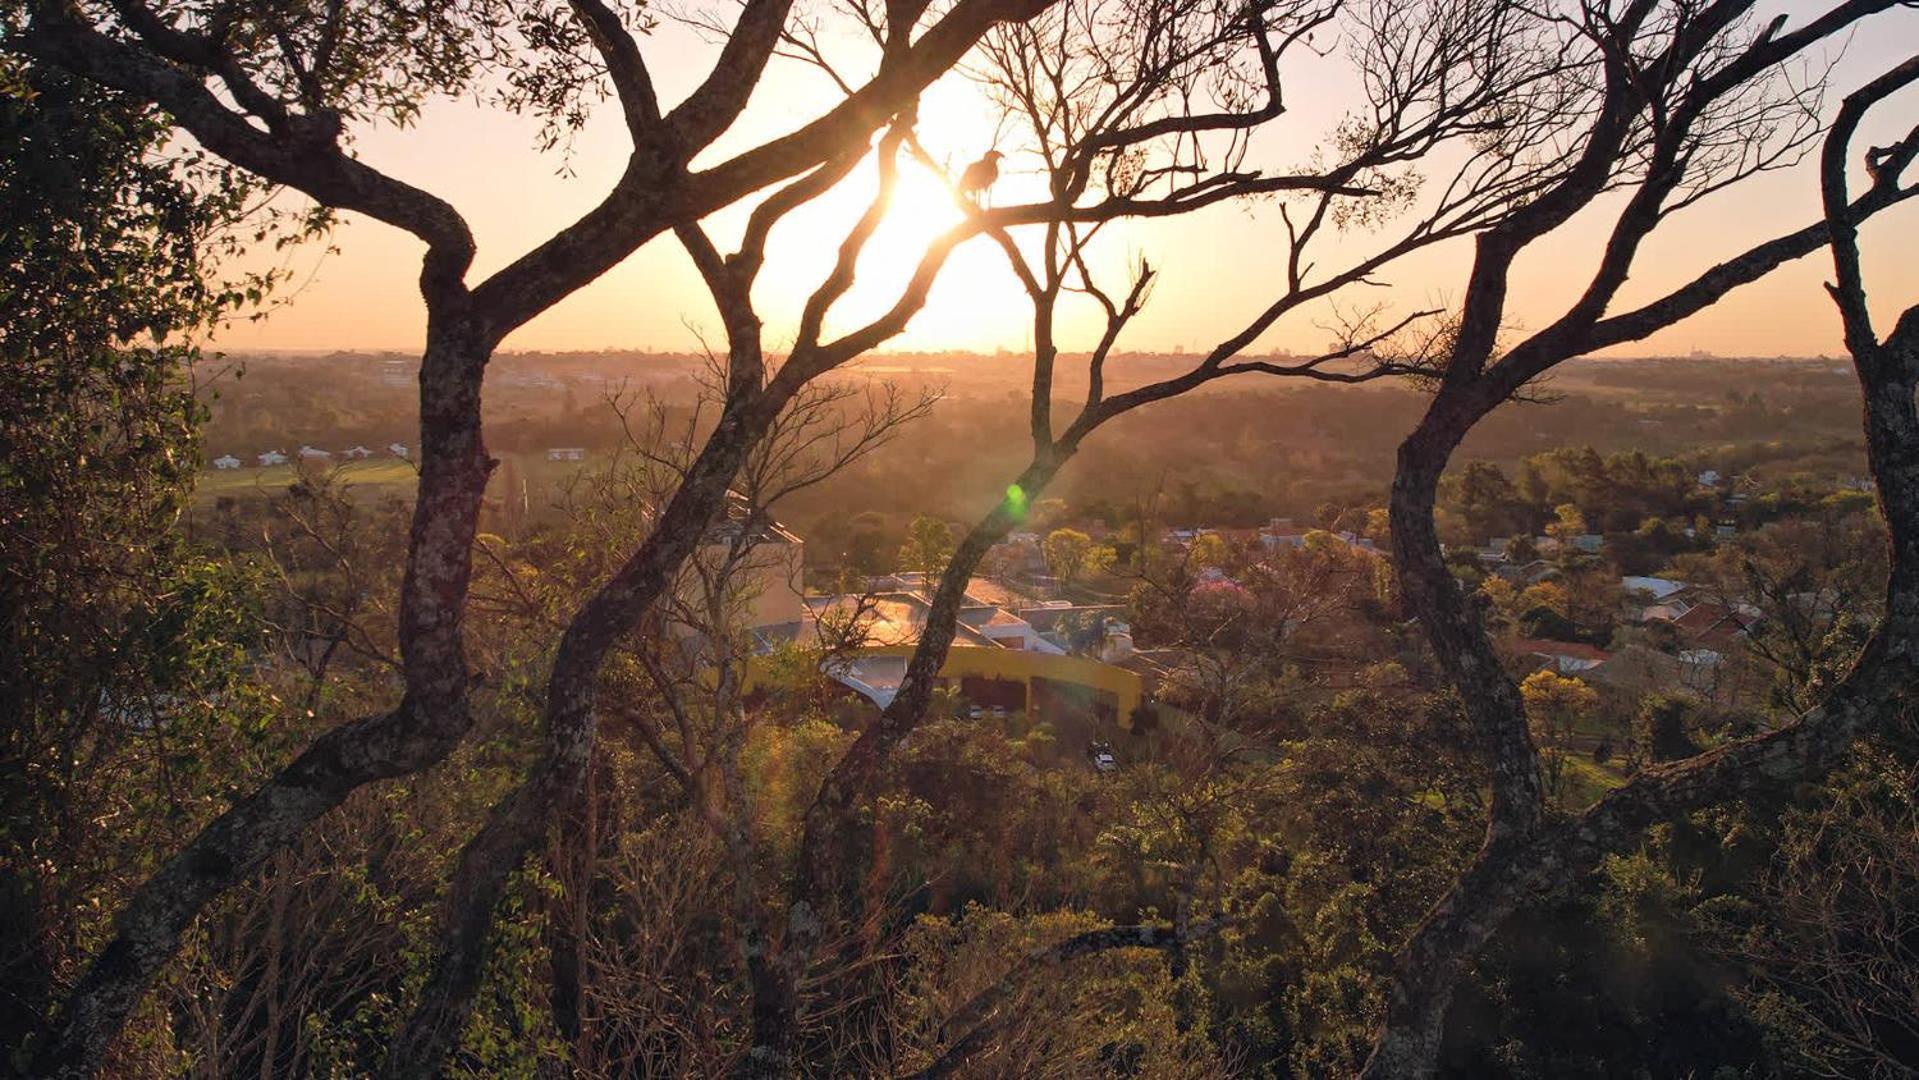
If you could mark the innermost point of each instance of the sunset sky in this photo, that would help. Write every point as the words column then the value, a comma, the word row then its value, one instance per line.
column 1217, row 268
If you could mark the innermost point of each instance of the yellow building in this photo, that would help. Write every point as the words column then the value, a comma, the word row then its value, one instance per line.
column 998, row 660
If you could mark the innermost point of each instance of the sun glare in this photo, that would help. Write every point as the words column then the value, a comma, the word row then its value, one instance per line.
column 971, row 300
column 976, row 301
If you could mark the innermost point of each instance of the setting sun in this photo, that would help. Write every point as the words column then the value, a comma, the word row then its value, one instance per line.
column 975, row 288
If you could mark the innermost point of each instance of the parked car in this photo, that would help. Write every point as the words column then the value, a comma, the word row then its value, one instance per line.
column 1102, row 756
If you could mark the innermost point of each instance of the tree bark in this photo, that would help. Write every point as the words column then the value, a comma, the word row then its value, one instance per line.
column 518, row 820
column 431, row 719
column 1518, row 863
column 835, row 839
column 1526, row 854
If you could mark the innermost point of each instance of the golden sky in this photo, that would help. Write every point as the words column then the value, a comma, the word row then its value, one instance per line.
column 1217, row 268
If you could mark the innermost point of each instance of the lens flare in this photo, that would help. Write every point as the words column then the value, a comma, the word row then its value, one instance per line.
column 1016, row 502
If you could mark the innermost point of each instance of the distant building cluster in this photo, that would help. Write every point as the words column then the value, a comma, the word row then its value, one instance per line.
column 269, row 458
column 1283, row 533
column 1704, row 626
column 1692, row 628
column 1056, row 662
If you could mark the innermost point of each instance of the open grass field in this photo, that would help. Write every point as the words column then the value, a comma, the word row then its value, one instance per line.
column 374, row 473
column 541, row 481
column 1587, row 782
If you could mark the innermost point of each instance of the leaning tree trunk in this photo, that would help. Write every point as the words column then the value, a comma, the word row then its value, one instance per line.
column 430, row 720
column 1491, row 699
column 1483, row 896
column 518, row 821
column 1517, row 864
column 836, row 838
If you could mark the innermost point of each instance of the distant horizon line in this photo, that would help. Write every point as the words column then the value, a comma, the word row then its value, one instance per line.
column 645, row 350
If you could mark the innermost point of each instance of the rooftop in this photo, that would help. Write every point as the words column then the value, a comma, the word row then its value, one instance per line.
column 1046, row 619
column 1572, row 649
column 1713, row 622
column 1660, row 588
column 886, row 619
column 981, row 590
column 738, row 513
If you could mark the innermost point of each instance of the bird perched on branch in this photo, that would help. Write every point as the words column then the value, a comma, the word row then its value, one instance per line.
column 980, row 175
column 1876, row 159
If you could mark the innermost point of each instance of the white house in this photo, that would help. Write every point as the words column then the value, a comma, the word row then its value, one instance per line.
column 357, row 453
column 1281, row 532
column 1709, row 478
column 397, row 449
column 315, row 453
column 226, row 461
column 566, row 453
column 272, row 457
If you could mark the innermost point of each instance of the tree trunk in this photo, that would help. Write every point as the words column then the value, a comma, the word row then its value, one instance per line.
column 430, row 720
column 1491, row 699
column 1518, row 863
column 836, row 838
column 518, row 820
column 1482, row 898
